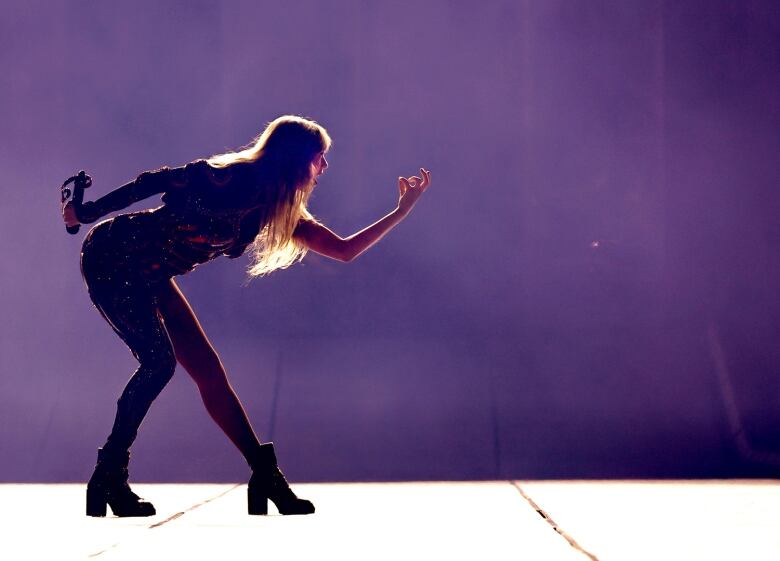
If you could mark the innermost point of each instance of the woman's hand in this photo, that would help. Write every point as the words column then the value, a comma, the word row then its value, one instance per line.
column 69, row 215
column 411, row 188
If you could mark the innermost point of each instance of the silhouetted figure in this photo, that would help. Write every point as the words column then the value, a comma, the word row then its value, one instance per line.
column 254, row 198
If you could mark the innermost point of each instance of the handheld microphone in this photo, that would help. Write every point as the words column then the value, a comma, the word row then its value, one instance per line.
column 75, row 195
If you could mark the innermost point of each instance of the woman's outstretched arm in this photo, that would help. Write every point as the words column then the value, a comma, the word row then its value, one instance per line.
column 322, row 240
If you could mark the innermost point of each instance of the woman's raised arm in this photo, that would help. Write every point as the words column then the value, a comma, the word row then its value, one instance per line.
column 322, row 240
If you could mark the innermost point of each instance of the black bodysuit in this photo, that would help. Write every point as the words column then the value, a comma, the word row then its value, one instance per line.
column 207, row 212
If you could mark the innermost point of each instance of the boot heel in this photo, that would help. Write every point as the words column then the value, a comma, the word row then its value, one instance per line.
column 257, row 503
column 108, row 487
column 268, row 484
column 96, row 503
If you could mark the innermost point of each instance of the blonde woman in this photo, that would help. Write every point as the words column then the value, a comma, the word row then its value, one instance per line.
column 254, row 199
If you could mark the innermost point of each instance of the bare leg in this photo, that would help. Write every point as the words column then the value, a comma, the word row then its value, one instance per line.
column 195, row 353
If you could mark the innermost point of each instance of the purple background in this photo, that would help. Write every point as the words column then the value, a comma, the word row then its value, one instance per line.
column 589, row 288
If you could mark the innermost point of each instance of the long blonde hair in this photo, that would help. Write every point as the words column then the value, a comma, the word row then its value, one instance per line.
column 281, row 158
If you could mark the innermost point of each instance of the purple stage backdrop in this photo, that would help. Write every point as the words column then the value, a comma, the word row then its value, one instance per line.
column 588, row 289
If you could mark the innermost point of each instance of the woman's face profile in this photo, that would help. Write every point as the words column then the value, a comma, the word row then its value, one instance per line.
column 318, row 166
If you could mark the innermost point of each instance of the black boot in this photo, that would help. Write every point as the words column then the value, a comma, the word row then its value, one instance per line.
column 108, row 486
column 268, row 482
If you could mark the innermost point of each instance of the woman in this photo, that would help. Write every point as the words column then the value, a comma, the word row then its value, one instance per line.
column 254, row 198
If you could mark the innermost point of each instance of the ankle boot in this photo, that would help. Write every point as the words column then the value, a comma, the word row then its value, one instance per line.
column 268, row 482
column 108, row 486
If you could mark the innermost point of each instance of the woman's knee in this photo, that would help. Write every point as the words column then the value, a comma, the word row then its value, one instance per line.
column 206, row 372
column 162, row 362
column 167, row 365
column 152, row 376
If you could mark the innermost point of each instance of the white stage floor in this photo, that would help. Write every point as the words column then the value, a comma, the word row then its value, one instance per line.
column 604, row 520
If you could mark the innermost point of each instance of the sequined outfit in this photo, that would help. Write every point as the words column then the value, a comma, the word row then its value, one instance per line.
column 206, row 213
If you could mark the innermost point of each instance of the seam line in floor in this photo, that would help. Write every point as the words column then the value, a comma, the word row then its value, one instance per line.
column 572, row 542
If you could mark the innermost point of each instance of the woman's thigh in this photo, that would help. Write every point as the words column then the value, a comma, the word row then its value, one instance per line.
column 130, row 308
column 126, row 300
column 191, row 346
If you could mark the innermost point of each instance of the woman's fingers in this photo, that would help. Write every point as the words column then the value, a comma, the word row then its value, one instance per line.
column 69, row 215
column 426, row 178
column 417, row 182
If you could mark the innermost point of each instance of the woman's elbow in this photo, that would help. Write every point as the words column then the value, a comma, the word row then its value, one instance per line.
column 336, row 251
column 346, row 253
column 346, row 256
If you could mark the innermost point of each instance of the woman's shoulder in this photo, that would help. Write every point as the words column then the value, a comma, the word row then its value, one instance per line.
column 197, row 173
column 239, row 174
column 219, row 188
column 198, row 170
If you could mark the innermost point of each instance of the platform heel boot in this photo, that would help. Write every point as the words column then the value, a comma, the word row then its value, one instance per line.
column 108, row 486
column 268, row 482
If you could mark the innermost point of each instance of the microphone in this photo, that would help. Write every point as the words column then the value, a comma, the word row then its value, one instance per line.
column 75, row 195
